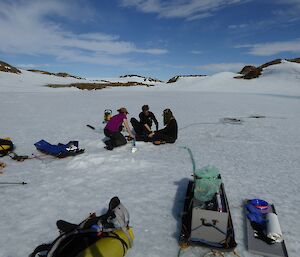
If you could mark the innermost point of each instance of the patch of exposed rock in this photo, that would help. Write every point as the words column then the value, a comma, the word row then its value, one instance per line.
column 96, row 86
column 5, row 67
column 59, row 74
column 175, row 78
column 274, row 62
column 249, row 72
column 144, row 78
column 296, row 60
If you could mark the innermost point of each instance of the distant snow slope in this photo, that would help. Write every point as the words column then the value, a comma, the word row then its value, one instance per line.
column 258, row 158
column 10, row 82
column 30, row 81
column 277, row 79
column 273, row 80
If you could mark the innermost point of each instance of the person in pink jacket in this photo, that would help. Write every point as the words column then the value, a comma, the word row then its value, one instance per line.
column 113, row 129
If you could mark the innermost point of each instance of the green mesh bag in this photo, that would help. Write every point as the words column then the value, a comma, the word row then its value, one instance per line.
column 207, row 183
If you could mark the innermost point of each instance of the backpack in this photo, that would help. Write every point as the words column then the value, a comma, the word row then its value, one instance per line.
column 6, row 146
column 75, row 239
column 207, row 183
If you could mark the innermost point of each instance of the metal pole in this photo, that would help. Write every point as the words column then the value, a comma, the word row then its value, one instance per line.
column 13, row 183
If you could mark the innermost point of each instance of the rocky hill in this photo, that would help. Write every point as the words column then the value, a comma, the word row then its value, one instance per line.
column 251, row 72
column 5, row 67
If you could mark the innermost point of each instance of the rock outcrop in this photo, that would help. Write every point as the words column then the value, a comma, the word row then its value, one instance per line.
column 5, row 67
column 59, row 74
column 142, row 77
column 175, row 78
column 96, row 86
column 251, row 72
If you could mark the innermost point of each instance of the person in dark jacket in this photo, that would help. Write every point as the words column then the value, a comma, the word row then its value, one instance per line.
column 112, row 129
column 167, row 134
column 142, row 128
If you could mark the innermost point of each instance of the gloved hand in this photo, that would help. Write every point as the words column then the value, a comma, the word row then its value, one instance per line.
column 129, row 138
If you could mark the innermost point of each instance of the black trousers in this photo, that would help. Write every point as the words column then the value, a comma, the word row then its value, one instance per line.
column 137, row 126
column 116, row 138
column 141, row 133
column 163, row 137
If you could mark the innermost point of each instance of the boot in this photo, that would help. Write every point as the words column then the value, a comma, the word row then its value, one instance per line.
column 109, row 145
column 159, row 142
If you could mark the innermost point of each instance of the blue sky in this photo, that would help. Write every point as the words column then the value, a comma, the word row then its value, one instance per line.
column 157, row 38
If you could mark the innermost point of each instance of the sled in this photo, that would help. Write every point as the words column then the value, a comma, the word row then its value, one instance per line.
column 208, row 228
column 260, row 247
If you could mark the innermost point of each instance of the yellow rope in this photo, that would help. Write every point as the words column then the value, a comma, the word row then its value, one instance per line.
column 236, row 254
column 2, row 165
column 214, row 253
column 218, row 253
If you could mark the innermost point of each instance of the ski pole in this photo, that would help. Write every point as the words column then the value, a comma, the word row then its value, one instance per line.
column 13, row 183
column 90, row 126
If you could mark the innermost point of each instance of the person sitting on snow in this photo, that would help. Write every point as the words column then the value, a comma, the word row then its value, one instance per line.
column 143, row 128
column 167, row 134
column 112, row 129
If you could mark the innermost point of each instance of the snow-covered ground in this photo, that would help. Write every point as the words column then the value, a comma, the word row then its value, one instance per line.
column 258, row 158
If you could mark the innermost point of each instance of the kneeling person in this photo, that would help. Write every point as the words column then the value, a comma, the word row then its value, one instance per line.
column 112, row 129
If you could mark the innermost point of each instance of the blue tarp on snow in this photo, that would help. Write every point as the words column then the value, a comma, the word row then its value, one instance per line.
column 60, row 150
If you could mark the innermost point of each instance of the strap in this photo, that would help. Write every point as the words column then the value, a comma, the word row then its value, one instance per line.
column 57, row 243
column 125, row 230
column 52, row 250
column 40, row 248
column 124, row 244
column 18, row 158
column 5, row 151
